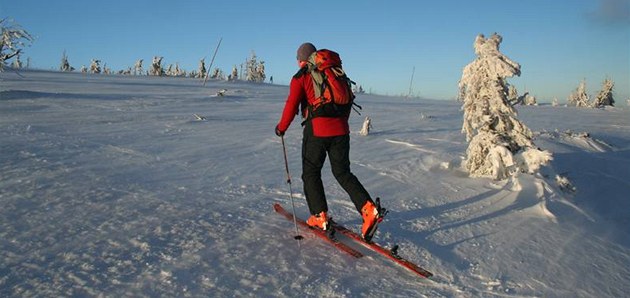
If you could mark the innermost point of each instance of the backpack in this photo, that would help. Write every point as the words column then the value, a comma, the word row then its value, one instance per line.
column 333, row 89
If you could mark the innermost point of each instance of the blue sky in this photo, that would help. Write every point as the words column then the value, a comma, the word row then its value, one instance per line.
column 557, row 43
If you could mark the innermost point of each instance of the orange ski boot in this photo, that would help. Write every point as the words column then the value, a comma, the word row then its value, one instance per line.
column 318, row 221
column 372, row 215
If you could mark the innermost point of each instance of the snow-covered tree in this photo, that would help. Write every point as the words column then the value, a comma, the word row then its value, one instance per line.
column 17, row 64
column 84, row 69
column 137, row 68
column 579, row 98
column 202, row 69
column 156, row 67
column 106, row 70
column 95, row 66
column 260, row 70
column 65, row 65
column 520, row 99
column 530, row 100
column 12, row 41
column 512, row 95
column 367, row 125
column 605, row 96
column 255, row 71
column 554, row 102
column 499, row 144
column 217, row 73
column 234, row 73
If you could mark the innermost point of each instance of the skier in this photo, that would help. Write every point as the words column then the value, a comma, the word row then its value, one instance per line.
column 324, row 136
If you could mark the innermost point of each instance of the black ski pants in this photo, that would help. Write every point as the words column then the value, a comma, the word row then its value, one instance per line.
column 314, row 151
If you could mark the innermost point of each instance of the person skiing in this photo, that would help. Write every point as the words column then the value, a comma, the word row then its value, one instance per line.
column 324, row 136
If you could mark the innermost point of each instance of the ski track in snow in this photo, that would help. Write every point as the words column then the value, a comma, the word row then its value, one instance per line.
column 110, row 186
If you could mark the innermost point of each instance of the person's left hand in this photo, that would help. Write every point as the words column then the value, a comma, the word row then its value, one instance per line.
column 278, row 132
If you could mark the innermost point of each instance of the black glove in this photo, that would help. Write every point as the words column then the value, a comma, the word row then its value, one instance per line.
column 278, row 132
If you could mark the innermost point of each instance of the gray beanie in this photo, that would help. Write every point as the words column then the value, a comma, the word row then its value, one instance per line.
column 305, row 50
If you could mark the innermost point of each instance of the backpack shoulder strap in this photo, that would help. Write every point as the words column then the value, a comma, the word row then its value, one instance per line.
column 300, row 72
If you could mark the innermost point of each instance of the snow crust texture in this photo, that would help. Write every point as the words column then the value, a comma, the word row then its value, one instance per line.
column 116, row 186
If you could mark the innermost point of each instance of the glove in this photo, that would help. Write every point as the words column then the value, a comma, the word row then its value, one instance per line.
column 278, row 132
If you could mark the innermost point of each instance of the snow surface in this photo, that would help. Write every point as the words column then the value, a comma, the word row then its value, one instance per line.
column 111, row 186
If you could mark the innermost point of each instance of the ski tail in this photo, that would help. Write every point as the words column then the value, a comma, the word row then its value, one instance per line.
column 328, row 236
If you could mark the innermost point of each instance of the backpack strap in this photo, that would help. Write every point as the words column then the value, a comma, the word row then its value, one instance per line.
column 300, row 72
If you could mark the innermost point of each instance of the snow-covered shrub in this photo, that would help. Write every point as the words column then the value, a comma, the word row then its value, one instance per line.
column 234, row 75
column 367, row 125
column 512, row 95
column 156, row 67
column 13, row 39
column 579, row 98
column 565, row 184
column 137, row 68
column 201, row 73
column 65, row 65
column 95, row 66
column 605, row 96
column 175, row 71
column 358, row 89
column 217, row 73
column 530, row 100
column 499, row 144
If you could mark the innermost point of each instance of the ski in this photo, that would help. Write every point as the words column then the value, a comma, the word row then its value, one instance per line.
column 330, row 238
column 391, row 254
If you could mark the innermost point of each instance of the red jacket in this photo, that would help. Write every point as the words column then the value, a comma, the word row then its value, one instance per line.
column 301, row 91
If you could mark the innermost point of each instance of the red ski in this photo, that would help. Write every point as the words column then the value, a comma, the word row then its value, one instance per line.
column 319, row 233
column 391, row 254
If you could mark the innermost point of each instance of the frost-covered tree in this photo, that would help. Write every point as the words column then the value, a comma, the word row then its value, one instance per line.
column 260, row 70
column 234, row 75
column 255, row 71
column 17, row 63
column 137, row 68
column 12, row 41
column 358, row 89
column 367, row 125
column 217, row 74
column 579, row 98
column 605, row 96
column 156, row 66
column 499, row 144
column 530, row 100
column 95, row 66
column 106, row 70
column 65, row 65
column 521, row 99
column 512, row 95
column 202, row 69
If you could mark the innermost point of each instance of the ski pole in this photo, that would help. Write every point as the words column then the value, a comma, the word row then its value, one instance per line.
column 286, row 166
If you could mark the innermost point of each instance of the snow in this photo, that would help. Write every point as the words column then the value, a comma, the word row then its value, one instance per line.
column 111, row 186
